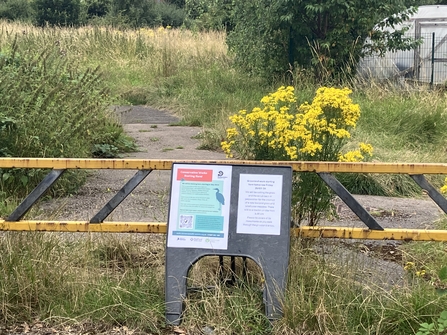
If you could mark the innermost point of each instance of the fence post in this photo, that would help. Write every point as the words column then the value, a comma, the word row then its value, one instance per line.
column 432, row 60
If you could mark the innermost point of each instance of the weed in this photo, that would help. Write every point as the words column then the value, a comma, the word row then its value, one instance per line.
column 434, row 328
column 210, row 140
column 104, row 151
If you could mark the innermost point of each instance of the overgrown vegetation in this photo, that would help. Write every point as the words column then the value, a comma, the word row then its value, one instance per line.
column 109, row 280
column 284, row 130
column 51, row 108
column 120, row 281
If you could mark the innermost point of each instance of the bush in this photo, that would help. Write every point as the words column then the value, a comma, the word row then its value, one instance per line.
column 16, row 10
column 169, row 15
column 49, row 108
column 282, row 130
column 57, row 12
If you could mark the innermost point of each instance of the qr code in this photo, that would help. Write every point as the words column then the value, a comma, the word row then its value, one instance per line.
column 185, row 222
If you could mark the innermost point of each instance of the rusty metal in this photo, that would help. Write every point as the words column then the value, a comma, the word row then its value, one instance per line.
column 157, row 164
column 160, row 228
column 368, row 234
column 83, row 226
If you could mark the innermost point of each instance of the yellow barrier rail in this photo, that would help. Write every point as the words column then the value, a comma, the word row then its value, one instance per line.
column 160, row 227
column 143, row 164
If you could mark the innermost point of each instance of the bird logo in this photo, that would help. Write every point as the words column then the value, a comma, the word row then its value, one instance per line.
column 219, row 197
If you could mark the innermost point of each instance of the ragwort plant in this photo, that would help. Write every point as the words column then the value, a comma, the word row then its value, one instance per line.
column 283, row 130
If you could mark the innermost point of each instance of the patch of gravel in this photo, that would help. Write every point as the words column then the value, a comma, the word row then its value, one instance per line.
column 156, row 138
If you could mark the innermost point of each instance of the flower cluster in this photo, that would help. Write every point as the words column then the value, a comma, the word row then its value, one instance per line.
column 263, row 134
column 281, row 130
column 411, row 267
column 357, row 155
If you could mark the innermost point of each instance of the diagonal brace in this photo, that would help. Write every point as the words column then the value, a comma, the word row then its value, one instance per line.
column 120, row 196
column 350, row 201
column 35, row 194
column 431, row 191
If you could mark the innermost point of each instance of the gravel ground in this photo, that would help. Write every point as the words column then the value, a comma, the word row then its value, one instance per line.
column 157, row 139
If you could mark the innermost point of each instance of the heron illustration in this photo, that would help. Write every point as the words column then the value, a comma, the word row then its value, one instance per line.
column 220, row 197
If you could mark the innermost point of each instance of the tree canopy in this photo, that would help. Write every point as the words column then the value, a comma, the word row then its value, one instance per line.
column 270, row 37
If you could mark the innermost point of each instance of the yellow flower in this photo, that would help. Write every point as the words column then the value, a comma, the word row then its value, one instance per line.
column 351, row 156
column 366, row 149
column 420, row 273
column 232, row 133
column 444, row 188
column 409, row 266
column 278, row 129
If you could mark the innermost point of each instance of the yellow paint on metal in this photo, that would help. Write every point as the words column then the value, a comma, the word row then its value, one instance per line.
column 156, row 227
column 139, row 164
column 160, row 228
column 84, row 226
column 368, row 234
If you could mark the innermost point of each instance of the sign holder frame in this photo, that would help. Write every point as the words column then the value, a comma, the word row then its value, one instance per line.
column 259, row 216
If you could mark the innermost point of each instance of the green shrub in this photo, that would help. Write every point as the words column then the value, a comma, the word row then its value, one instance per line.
column 16, row 10
column 282, row 130
column 49, row 108
column 168, row 15
column 57, row 12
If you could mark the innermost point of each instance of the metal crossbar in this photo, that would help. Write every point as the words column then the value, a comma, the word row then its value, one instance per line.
column 166, row 164
column 324, row 169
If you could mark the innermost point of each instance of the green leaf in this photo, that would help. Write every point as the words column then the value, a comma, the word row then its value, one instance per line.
column 443, row 273
column 24, row 180
column 441, row 291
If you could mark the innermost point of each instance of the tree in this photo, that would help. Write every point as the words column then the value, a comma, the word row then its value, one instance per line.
column 97, row 8
column 270, row 37
column 209, row 14
column 57, row 12
column 16, row 10
column 135, row 13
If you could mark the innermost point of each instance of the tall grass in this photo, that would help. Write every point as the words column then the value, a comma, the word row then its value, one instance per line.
column 52, row 278
column 188, row 73
column 191, row 74
column 56, row 278
column 327, row 295
column 60, row 279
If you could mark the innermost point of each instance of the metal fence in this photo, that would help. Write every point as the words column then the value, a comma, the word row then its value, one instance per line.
column 425, row 64
column 373, row 230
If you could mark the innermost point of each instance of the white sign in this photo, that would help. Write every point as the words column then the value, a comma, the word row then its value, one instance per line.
column 199, row 206
column 259, row 206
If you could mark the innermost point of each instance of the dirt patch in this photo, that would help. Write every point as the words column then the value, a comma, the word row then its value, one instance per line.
column 390, row 212
column 156, row 138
